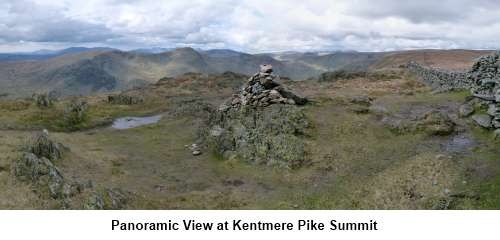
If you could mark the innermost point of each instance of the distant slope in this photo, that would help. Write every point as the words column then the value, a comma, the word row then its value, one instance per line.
column 83, row 71
column 45, row 54
column 446, row 59
column 25, row 77
column 340, row 60
column 97, row 71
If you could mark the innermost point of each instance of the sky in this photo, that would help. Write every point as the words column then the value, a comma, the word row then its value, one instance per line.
column 250, row 25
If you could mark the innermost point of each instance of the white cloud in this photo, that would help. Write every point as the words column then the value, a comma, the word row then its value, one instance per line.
column 251, row 25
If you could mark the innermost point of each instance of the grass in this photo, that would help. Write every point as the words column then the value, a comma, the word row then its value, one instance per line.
column 356, row 163
column 25, row 115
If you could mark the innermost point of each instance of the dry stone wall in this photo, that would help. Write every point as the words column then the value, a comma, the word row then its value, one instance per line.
column 441, row 80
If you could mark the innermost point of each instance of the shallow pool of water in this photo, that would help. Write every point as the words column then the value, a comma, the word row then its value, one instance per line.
column 132, row 122
column 460, row 144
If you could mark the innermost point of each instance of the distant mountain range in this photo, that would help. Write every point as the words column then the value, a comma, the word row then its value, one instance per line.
column 82, row 71
column 45, row 54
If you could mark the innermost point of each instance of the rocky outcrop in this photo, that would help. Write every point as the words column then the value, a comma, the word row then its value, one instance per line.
column 106, row 199
column 123, row 99
column 431, row 122
column 42, row 146
column 37, row 167
column 44, row 100
column 75, row 113
column 262, row 124
column 440, row 80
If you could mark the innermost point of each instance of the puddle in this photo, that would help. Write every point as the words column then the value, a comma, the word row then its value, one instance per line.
column 460, row 144
column 132, row 122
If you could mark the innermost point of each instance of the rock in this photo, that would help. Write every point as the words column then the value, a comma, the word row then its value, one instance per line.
column 359, row 109
column 124, row 99
column 482, row 120
column 436, row 123
column 44, row 100
column 223, row 107
column 432, row 123
column 491, row 110
column 441, row 157
column 236, row 101
column 496, row 134
column 216, row 131
column 30, row 167
column 465, row 110
column 196, row 153
column 106, row 199
column 75, row 113
column 361, row 100
column 94, row 202
column 378, row 109
column 42, row 146
column 397, row 125
column 42, row 173
column 235, row 182
column 195, row 148
column 289, row 95
column 266, row 68
column 272, row 136
column 273, row 94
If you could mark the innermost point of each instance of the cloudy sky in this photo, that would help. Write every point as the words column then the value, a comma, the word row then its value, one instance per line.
column 250, row 25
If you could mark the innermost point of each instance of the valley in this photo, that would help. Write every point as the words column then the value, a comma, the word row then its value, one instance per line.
column 359, row 154
column 80, row 71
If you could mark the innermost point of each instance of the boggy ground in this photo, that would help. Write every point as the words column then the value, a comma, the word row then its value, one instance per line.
column 355, row 160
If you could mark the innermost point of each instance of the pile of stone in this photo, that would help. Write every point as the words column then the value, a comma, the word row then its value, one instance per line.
column 485, row 75
column 262, row 90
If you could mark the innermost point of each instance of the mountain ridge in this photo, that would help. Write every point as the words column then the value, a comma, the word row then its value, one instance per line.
column 83, row 71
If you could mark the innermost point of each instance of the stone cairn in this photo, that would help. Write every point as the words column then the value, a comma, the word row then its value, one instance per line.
column 485, row 76
column 262, row 90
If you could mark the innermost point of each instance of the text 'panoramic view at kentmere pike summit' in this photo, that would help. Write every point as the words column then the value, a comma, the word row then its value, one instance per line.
column 118, row 104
